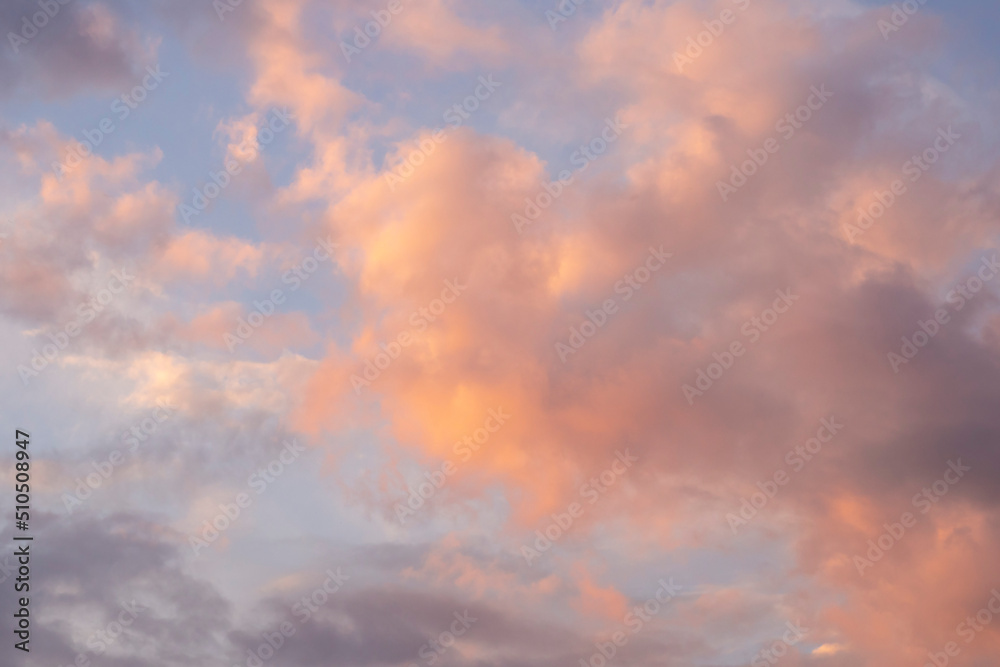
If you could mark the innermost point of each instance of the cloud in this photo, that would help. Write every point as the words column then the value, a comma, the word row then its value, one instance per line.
column 694, row 292
column 70, row 48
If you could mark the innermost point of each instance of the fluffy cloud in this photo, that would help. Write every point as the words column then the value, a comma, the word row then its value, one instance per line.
column 702, row 257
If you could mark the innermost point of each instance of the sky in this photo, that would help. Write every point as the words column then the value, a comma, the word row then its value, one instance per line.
column 402, row 333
